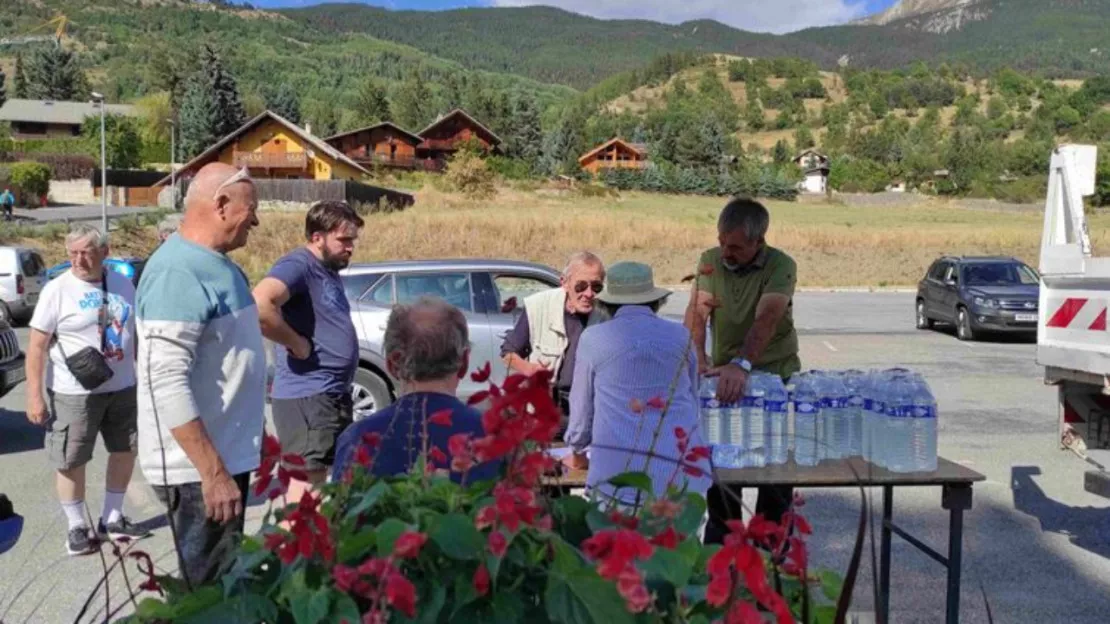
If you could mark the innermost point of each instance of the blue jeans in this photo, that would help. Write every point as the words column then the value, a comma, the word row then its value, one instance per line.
column 203, row 546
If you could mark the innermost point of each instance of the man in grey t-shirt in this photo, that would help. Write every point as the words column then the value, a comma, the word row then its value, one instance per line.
column 303, row 308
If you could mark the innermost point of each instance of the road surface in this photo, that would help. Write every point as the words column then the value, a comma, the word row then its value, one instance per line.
column 1036, row 545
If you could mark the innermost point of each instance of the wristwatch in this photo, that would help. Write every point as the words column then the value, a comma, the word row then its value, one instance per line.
column 742, row 363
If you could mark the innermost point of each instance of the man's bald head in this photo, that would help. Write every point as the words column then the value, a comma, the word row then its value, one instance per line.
column 221, row 204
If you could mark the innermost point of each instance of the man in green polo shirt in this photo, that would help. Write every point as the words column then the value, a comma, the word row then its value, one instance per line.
column 745, row 290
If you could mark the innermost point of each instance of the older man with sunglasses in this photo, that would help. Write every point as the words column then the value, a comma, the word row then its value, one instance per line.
column 546, row 334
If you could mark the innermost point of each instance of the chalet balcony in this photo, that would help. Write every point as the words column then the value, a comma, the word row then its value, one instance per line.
column 271, row 160
column 402, row 162
column 439, row 144
column 622, row 164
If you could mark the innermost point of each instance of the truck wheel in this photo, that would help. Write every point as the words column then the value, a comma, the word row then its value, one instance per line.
column 964, row 330
column 923, row 321
column 370, row 393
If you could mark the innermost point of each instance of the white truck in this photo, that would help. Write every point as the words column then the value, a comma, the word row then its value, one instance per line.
column 1073, row 343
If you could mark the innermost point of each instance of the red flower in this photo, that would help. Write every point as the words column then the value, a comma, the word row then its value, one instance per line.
column 482, row 374
column 271, row 448
column 693, row 471
column 497, row 544
column 486, row 517
column 668, row 539
column 363, row 456
column 478, row 397
column 719, row 590
column 408, row 545
column 441, row 418
column 400, row 593
column 437, row 456
column 657, row 402
column 630, row 585
column 743, row 613
column 458, row 446
column 293, row 460
column 372, row 439
column 796, row 559
column 680, row 433
column 615, row 549
column 481, row 580
column 801, row 523
column 308, row 534
column 345, row 578
column 698, row 453
column 621, row 520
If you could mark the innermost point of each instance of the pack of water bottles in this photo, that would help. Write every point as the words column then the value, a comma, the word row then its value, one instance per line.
column 887, row 417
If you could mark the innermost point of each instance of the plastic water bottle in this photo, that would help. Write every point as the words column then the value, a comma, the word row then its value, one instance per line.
column 754, row 443
column 778, row 421
column 732, row 433
column 853, row 383
column 899, row 424
column 923, row 437
column 710, row 412
column 836, row 416
column 807, row 414
column 874, row 403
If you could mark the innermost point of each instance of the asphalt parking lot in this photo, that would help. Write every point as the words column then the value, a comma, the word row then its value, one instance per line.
column 1036, row 545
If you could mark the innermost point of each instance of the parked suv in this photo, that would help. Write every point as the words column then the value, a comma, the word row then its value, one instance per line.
column 22, row 274
column 978, row 295
column 489, row 293
column 12, row 371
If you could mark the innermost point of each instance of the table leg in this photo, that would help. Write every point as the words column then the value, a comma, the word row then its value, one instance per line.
column 884, row 555
column 956, row 499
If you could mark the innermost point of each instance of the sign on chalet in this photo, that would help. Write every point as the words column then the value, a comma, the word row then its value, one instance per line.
column 49, row 119
column 390, row 145
column 614, row 154
column 273, row 147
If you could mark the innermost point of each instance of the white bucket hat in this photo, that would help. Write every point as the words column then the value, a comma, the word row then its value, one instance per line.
column 630, row 283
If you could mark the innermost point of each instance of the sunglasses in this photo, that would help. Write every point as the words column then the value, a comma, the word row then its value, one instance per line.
column 580, row 287
column 238, row 176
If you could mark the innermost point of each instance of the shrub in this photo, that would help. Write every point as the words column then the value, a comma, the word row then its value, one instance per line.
column 509, row 168
column 32, row 178
column 62, row 166
column 468, row 174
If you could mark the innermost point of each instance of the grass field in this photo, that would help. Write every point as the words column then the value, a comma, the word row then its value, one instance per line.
column 835, row 245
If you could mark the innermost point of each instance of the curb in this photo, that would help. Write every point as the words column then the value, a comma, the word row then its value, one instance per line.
column 826, row 289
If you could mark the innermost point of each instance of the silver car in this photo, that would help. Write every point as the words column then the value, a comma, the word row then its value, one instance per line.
column 489, row 292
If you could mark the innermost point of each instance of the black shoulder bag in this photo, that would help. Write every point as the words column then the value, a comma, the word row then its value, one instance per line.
column 88, row 365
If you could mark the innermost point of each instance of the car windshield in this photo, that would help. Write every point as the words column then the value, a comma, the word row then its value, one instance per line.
column 999, row 274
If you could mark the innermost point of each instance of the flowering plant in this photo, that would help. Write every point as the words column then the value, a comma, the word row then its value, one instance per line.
column 423, row 547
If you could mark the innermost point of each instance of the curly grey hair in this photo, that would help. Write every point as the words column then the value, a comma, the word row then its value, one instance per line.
column 426, row 340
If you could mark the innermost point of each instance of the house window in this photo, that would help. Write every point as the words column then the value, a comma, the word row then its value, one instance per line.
column 28, row 127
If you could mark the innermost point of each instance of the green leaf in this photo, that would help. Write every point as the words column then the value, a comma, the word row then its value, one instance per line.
column 670, row 566
column 570, row 515
column 457, row 538
column 430, row 602
column 584, row 598
column 311, row 608
column 388, row 532
column 194, row 602
column 464, row 593
column 368, row 499
column 355, row 547
column 693, row 512
column 343, row 607
column 154, row 609
column 637, row 480
column 831, row 584
column 824, row 614
column 241, row 608
column 507, row 608
column 566, row 560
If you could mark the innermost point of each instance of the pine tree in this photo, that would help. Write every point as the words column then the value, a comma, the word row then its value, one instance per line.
column 781, row 153
column 803, row 139
column 19, row 81
column 753, row 116
column 372, row 105
column 53, row 73
column 324, row 120
column 284, row 102
column 230, row 113
column 412, row 106
column 197, row 117
column 525, row 140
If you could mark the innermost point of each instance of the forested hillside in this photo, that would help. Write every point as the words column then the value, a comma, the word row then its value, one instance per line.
column 1050, row 37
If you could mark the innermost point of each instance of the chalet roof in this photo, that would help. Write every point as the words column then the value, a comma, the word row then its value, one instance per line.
column 639, row 148
column 385, row 124
column 301, row 133
column 54, row 112
column 809, row 152
column 459, row 111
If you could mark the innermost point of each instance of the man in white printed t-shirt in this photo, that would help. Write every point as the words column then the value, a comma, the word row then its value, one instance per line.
column 83, row 344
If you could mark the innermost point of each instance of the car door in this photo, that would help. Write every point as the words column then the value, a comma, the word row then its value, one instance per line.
column 370, row 307
column 32, row 268
column 456, row 288
column 950, row 293
column 934, row 289
column 508, row 289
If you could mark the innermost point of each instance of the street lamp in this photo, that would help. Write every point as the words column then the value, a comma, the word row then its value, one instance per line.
column 99, row 99
column 173, row 160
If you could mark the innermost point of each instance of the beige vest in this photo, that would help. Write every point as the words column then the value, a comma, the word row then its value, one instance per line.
column 546, row 328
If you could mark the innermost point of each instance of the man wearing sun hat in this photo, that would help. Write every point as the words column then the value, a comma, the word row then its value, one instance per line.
column 623, row 377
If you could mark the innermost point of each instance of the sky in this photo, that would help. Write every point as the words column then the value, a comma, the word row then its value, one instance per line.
column 756, row 15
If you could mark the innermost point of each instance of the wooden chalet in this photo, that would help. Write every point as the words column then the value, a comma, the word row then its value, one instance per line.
column 273, row 147
column 441, row 139
column 385, row 145
column 614, row 154
column 815, row 171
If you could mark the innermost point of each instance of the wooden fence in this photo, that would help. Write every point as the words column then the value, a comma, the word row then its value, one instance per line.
column 359, row 195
